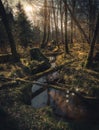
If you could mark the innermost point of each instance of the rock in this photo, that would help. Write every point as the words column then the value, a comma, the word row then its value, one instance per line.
column 36, row 54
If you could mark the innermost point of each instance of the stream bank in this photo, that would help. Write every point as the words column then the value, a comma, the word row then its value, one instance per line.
column 21, row 115
column 16, row 103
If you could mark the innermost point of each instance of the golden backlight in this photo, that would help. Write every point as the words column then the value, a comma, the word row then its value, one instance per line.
column 28, row 8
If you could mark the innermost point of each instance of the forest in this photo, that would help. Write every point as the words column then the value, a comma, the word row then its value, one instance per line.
column 49, row 65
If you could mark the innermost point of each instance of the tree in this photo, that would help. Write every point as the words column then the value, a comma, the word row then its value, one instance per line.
column 8, row 30
column 91, row 51
column 61, row 19
column 92, row 14
column 36, row 34
column 43, row 44
column 73, row 3
column 48, row 25
column 3, row 34
column 24, row 26
column 66, row 37
column 76, row 21
column 94, row 30
column 55, row 21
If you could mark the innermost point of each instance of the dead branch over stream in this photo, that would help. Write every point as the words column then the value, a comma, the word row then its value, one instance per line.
column 49, row 71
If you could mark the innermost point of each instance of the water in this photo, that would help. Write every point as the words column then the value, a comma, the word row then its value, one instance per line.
column 51, row 97
column 44, row 98
column 61, row 103
column 47, row 96
column 41, row 99
column 64, row 104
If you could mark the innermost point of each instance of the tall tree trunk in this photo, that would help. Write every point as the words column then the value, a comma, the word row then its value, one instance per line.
column 66, row 37
column 54, row 14
column 8, row 30
column 90, row 54
column 52, row 23
column 61, row 21
column 43, row 44
column 72, row 22
column 92, row 14
column 48, row 26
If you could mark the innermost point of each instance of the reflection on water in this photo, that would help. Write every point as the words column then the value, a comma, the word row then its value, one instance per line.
column 41, row 99
column 64, row 104
column 44, row 98
column 61, row 102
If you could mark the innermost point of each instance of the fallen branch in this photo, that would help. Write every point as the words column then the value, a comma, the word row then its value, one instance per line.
column 34, row 77
column 86, row 99
column 37, row 92
column 54, row 53
column 5, row 58
column 49, row 71
column 10, row 84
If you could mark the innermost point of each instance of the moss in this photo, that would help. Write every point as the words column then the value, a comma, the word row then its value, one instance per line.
column 16, row 103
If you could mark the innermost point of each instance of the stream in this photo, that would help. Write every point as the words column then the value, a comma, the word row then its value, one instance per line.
column 64, row 104
column 46, row 97
column 61, row 102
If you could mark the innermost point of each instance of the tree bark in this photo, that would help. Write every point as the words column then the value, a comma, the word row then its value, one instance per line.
column 61, row 19
column 66, row 37
column 55, row 22
column 72, row 22
column 48, row 25
column 43, row 44
column 92, row 14
column 8, row 30
column 91, row 51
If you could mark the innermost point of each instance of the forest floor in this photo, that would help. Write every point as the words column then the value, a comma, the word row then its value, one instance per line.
column 16, row 112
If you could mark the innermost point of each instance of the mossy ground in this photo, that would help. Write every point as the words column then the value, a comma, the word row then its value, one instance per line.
column 16, row 111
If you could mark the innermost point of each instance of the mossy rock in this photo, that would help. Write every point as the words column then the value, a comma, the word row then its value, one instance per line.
column 36, row 54
column 43, row 61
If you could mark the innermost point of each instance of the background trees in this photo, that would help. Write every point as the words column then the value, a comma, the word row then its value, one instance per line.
column 82, row 23
column 8, row 30
column 45, row 15
column 63, row 21
column 24, row 27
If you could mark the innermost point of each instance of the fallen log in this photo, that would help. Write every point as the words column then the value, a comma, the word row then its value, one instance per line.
column 34, row 77
column 4, row 58
column 87, row 100
column 53, row 53
column 41, row 67
column 49, row 71
column 6, row 85
column 5, row 79
column 37, row 92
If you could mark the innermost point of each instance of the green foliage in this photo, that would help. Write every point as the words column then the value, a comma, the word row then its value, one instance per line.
column 24, row 27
